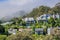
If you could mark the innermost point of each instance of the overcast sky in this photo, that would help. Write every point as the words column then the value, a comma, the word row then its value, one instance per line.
column 8, row 7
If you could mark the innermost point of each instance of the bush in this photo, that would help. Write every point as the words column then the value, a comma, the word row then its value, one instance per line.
column 21, row 36
column 3, row 37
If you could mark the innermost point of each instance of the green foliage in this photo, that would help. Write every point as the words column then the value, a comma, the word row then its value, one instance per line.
column 53, row 22
column 44, row 10
column 2, row 29
column 21, row 36
column 3, row 37
column 39, row 11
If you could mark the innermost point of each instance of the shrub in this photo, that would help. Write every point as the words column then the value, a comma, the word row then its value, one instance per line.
column 3, row 37
column 21, row 36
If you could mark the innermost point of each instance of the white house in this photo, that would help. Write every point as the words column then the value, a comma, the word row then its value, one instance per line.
column 47, row 16
column 39, row 31
column 6, row 23
column 56, row 15
column 12, row 31
column 49, row 31
column 43, row 17
column 28, row 19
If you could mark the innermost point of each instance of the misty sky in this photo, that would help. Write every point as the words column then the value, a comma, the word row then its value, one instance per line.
column 8, row 7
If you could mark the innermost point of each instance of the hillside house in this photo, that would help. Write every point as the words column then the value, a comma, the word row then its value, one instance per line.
column 39, row 31
column 29, row 21
column 12, row 31
column 56, row 15
column 6, row 23
column 43, row 18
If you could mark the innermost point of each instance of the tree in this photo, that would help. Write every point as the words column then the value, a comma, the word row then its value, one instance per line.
column 2, row 29
column 52, row 22
column 56, row 9
column 39, row 11
column 0, row 21
column 57, row 22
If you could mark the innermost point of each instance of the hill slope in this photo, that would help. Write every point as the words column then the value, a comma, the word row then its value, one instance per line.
column 44, row 10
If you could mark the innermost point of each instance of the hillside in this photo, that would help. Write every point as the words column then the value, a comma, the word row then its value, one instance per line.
column 44, row 10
